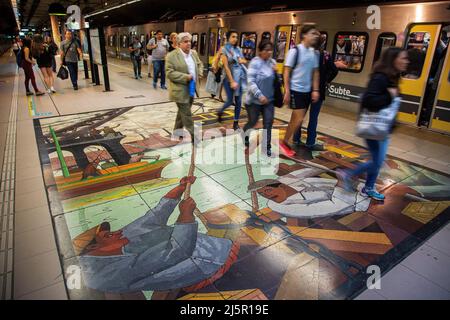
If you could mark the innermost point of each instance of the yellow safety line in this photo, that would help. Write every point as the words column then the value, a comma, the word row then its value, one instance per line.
column 30, row 106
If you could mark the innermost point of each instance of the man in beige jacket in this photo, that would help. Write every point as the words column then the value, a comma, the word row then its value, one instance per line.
column 183, row 65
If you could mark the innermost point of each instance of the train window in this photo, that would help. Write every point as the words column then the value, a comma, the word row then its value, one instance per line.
column 350, row 50
column 124, row 41
column 292, row 43
column 417, row 46
column 194, row 43
column 202, row 44
column 248, row 44
column 280, row 45
column 221, row 38
column 385, row 40
column 266, row 36
column 212, row 43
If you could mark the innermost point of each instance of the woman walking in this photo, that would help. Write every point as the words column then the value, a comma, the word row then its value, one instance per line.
column 382, row 90
column 233, row 60
column 46, row 53
column 173, row 41
column 260, row 93
column 27, row 66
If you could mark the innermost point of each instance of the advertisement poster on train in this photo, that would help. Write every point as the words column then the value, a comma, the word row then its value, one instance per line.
column 350, row 50
column 248, row 44
column 95, row 44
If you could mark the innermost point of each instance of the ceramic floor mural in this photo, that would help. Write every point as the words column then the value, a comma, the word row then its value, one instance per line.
column 144, row 218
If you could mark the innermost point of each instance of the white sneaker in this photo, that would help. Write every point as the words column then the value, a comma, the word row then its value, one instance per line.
column 53, row 90
column 49, row 91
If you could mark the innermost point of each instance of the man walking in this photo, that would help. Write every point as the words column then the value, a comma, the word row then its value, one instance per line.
column 184, row 69
column 159, row 47
column 135, row 49
column 70, row 54
column 301, row 80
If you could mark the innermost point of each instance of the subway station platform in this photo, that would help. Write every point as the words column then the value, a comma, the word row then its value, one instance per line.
column 121, row 166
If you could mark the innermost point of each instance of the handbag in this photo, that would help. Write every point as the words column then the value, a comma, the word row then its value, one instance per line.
column 63, row 73
column 277, row 93
column 377, row 125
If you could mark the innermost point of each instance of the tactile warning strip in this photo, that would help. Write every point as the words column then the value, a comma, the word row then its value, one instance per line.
column 7, row 187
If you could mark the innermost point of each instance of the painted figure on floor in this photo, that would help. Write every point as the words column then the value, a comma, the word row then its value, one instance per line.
column 148, row 254
column 301, row 194
column 91, row 169
column 109, row 132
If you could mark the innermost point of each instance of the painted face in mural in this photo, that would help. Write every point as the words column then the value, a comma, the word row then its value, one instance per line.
column 107, row 243
column 277, row 193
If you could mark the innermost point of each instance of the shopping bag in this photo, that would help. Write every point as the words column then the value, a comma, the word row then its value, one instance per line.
column 63, row 73
column 377, row 125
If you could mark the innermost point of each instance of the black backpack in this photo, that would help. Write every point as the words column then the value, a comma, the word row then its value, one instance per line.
column 19, row 58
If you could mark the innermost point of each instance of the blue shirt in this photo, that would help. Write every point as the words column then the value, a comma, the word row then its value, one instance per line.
column 238, row 71
column 301, row 76
column 260, row 80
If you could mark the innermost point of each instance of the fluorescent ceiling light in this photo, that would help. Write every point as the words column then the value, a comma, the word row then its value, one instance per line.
column 112, row 8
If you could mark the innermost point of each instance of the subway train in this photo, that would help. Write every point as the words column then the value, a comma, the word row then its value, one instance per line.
column 421, row 28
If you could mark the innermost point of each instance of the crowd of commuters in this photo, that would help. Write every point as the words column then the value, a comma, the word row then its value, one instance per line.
column 308, row 69
column 41, row 50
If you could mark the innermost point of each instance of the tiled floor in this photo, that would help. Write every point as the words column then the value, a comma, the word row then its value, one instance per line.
column 271, row 263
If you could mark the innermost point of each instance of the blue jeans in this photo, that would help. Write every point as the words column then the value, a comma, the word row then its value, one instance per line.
column 253, row 112
column 136, row 65
column 312, row 125
column 73, row 72
column 378, row 150
column 231, row 98
column 159, row 69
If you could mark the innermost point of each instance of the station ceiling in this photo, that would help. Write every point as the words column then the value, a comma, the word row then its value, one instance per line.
column 34, row 13
column 8, row 23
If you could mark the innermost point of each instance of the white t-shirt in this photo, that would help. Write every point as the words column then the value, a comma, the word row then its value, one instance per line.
column 190, row 63
column 308, row 60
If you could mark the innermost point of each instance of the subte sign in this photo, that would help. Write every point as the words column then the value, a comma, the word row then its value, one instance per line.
column 74, row 20
column 344, row 92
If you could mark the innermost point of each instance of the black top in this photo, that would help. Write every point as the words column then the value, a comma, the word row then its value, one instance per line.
column 171, row 47
column 30, row 54
column 328, row 71
column 45, row 58
column 377, row 96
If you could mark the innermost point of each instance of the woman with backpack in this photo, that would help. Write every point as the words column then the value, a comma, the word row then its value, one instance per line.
column 233, row 61
column 27, row 64
column 383, row 88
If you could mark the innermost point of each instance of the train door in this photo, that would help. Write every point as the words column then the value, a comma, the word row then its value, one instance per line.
column 440, row 117
column 421, row 43
column 285, row 38
column 117, row 43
